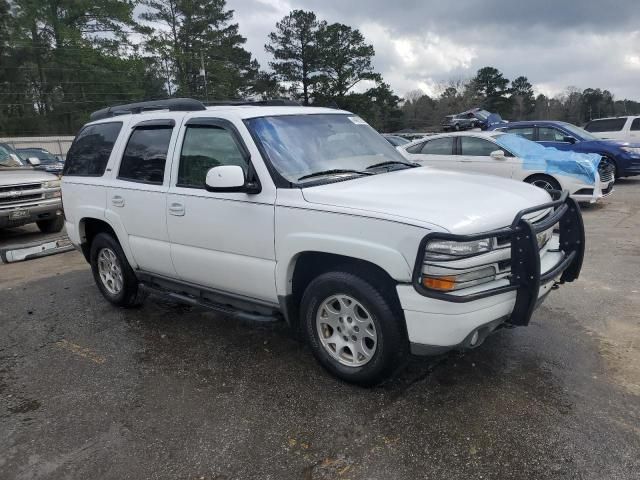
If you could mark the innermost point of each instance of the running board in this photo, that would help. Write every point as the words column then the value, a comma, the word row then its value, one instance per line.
column 243, row 310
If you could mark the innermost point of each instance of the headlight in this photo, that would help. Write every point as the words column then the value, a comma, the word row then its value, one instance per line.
column 450, row 249
column 632, row 150
column 544, row 237
column 448, row 283
column 52, row 184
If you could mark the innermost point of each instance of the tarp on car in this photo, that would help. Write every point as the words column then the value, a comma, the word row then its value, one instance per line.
column 551, row 160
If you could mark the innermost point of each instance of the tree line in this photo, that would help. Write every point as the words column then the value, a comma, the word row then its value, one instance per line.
column 62, row 59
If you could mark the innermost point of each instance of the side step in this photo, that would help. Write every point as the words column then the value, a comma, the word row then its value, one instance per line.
column 200, row 299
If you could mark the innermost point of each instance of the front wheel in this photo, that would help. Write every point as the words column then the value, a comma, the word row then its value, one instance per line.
column 53, row 225
column 354, row 330
column 544, row 181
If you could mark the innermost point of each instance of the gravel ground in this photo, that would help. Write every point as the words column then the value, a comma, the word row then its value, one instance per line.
column 168, row 391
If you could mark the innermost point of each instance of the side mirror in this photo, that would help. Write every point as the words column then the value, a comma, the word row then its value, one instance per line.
column 569, row 139
column 33, row 161
column 497, row 154
column 229, row 178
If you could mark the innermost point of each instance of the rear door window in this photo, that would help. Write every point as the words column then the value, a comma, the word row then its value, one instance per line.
column 549, row 134
column 146, row 154
column 438, row 146
column 635, row 125
column 525, row 132
column 91, row 149
column 606, row 125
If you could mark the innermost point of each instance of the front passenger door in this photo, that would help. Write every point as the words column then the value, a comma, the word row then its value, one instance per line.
column 553, row 137
column 220, row 240
column 475, row 155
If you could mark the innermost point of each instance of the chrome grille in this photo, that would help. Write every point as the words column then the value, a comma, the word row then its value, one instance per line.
column 16, row 194
column 606, row 171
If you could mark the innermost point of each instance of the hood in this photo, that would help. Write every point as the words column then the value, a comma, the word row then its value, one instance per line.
column 457, row 202
column 536, row 157
column 16, row 176
column 610, row 143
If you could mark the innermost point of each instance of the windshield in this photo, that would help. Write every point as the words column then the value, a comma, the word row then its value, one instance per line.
column 303, row 145
column 8, row 158
column 45, row 157
column 579, row 132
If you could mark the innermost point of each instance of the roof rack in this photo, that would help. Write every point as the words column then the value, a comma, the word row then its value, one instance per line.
column 171, row 104
column 183, row 105
column 275, row 102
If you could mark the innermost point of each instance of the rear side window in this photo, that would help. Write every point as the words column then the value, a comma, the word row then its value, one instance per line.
column 91, row 149
column 526, row 132
column 606, row 125
column 477, row 147
column 203, row 148
column 146, row 154
column 635, row 125
column 438, row 146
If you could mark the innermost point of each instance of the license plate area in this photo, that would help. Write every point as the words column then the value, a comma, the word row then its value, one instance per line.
column 19, row 214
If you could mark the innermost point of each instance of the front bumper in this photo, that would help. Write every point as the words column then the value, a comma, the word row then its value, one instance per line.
column 43, row 210
column 440, row 321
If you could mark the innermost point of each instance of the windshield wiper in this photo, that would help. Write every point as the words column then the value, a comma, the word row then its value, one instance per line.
column 391, row 162
column 334, row 171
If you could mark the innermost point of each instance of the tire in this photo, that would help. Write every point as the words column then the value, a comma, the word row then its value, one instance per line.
column 456, row 127
column 545, row 182
column 113, row 274
column 377, row 327
column 53, row 225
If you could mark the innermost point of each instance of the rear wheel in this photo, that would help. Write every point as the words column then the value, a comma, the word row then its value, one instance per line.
column 113, row 274
column 456, row 127
column 354, row 330
column 544, row 181
column 53, row 225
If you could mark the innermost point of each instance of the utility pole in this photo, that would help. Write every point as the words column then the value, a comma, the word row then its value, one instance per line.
column 203, row 73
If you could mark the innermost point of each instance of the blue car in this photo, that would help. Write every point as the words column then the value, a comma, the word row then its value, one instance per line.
column 623, row 157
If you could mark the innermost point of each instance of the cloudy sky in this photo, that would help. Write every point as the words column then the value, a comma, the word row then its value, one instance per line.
column 421, row 44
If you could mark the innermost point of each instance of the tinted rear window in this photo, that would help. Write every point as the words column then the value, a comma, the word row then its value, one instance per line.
column 635, row 125
column 91, row 149
column 146, row 153
column 606, row 125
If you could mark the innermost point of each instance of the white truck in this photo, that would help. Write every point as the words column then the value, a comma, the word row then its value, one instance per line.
column 309, row 215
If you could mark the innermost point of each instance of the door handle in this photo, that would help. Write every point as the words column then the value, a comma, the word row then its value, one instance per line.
column 117, row 201
column 176, row 209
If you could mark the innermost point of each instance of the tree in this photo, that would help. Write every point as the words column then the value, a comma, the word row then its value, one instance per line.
column 205, row 51
column 491, row 89
column 344, row 60
column 522, row 98
column 294, row 46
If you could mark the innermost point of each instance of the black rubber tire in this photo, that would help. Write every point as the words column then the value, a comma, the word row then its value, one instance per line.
column 547, row 178
column 456, row 127
column 53, row 225
column 131, row 295
column 392, row 349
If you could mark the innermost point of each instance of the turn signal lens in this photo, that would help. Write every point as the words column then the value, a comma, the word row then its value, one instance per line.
column 444, row 284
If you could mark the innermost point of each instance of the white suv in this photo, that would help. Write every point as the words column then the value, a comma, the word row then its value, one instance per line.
column 626, row 129
column 308, row 214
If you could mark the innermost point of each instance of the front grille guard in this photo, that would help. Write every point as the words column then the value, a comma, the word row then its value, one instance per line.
column 525, row 277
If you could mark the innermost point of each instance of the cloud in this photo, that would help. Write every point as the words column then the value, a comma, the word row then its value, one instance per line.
column 421, row 44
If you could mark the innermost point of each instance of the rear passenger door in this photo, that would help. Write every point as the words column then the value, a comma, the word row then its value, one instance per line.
column 136, row 200
column 437, row 152
column 220, row 240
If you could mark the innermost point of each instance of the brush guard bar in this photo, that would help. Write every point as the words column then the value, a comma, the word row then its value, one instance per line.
column 525, row 277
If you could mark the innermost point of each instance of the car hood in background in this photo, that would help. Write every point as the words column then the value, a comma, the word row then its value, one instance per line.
column 16, row 176
column 458, row 202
